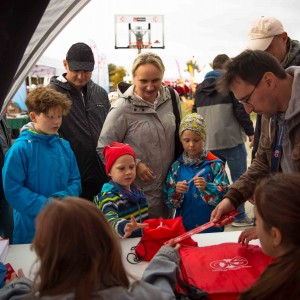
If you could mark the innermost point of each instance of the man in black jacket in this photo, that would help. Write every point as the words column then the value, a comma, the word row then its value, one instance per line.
column 82, row 126
column 227, row 125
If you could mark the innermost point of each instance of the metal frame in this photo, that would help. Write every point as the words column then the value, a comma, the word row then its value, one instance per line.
column 144, row 19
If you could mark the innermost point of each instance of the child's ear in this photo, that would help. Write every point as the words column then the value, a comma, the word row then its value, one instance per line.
column 32, row 116
column 109, row 174
column 276, row 236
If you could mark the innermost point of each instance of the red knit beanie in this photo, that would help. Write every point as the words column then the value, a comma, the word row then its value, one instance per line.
column 113, row 151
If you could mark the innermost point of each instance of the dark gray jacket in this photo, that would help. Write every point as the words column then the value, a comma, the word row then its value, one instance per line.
column 227, row 122
column 82, row 126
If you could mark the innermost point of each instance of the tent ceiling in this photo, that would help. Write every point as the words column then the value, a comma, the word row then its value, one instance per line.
column 27, row 29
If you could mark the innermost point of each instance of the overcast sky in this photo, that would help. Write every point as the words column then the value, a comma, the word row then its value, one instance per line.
column 199, row 28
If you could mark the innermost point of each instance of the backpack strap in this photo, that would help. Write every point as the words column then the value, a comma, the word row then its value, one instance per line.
column 175, row 108
column 178, row 145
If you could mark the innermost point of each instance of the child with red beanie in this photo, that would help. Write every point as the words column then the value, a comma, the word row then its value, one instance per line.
column 120, row 199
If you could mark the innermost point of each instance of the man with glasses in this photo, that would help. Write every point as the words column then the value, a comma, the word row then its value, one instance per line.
column 82, row 126
column 227, row 126
column 258, row 80
column 267, row 34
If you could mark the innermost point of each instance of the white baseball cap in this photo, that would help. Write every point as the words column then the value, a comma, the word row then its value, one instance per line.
column 263, row 31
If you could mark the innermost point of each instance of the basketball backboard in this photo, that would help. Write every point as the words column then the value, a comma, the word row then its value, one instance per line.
column 139, row 32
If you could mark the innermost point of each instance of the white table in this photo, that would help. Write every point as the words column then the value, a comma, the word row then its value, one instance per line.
column 21, row 256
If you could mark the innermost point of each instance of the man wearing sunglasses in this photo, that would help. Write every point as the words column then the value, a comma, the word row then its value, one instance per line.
column 259, row 81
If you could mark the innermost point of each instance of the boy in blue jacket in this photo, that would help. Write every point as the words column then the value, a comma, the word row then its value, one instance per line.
column 39, row 164
column 197, row 180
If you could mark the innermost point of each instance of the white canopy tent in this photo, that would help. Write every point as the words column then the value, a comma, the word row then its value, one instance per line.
column 26, row 39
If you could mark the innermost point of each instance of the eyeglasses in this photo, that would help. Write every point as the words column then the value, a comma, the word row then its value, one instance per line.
column 246, row 100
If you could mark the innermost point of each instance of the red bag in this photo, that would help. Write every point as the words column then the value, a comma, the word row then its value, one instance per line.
column 223, row 271
column 160, row 231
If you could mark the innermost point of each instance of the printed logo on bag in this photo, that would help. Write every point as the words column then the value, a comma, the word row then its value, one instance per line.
column 228, row 264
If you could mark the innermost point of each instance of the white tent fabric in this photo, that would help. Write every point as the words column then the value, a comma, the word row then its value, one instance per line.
column 57, row 15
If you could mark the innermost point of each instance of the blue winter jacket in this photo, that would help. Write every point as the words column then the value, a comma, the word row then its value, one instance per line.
column 37, row 167
column 195, row 206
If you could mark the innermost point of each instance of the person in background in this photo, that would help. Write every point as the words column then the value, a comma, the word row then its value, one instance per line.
column 121, row 201
column 82, row 260
column 82, row 126
column 277, row 210
column 39, row 164
column 227, row 125
column 258, row 80
column 195, row 196
column 144, row 118
column 267, row 34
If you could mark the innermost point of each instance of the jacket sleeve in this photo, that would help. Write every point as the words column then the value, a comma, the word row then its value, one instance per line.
column 162, row 269
column 214, row 191
column 173, row 200
column 107, row 203
column 242, row 190
column 114, row 129
column 19, row 288
column 74, row 184
column 14, row 178
column 242, row 116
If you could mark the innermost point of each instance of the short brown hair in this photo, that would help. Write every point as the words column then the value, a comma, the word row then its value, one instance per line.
column 148, row 58
column 220, row 61
column 42, row 98
column 250, row 66
column 77, row 249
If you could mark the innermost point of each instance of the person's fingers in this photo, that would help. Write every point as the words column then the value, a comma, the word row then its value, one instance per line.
column 171, row 243
column 246, row 242
column 177, row 246
column 133, row 220
column 21, row 273
column 143, row 225
column 127, row 234
column 216, row 214
column 241, row 239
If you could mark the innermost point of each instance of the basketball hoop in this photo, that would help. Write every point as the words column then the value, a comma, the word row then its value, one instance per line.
column 143, row 32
